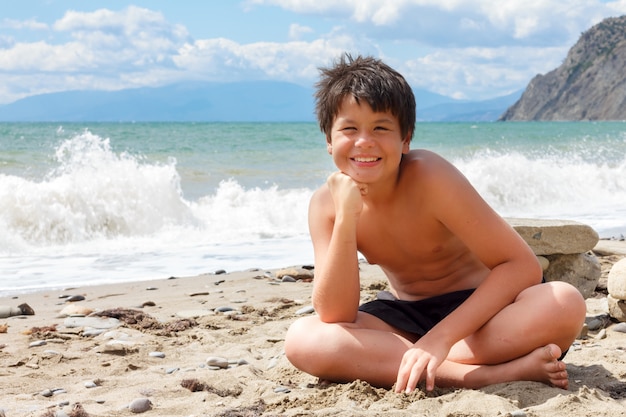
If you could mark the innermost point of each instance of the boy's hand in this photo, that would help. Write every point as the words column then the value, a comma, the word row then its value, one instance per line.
column 422, row 358
column 347, row 193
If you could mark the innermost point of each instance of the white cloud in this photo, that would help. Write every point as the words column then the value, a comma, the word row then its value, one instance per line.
column 296, row 31
column 29, row 24
column 462, row 48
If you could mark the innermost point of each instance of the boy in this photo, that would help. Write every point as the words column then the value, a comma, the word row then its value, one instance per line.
column 466, row 307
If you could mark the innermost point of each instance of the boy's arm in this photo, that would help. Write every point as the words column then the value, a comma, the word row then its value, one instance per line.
column 514, row 267
column 333, row 216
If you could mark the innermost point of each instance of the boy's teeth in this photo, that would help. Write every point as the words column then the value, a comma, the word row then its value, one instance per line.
column 365, row 159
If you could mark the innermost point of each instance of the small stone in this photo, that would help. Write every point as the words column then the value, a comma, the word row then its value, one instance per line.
column 220, row 272
column 518, row 413
column 140, row 405
column 46, row 393
column 73, row 298
column 92, row 332
column 37, row 343
column 217, row 361
column 272, row 363
column 223, row 309
column 282, row 389
column 170, row 371
column 305, row 310
column 90, row 384
column 148, row 304
column 151, row 288
column 601, row 334
column 288, row 278
column 156, row 354
column 620, row 327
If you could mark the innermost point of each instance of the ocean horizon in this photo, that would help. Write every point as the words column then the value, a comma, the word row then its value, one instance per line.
column 95, row 203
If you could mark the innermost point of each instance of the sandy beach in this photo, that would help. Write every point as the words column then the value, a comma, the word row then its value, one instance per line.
column 212, row 345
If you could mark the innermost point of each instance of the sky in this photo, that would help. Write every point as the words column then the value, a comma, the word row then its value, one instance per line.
column 465, row 49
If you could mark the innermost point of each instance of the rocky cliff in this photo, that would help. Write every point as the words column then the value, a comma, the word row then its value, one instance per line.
column 589, row 85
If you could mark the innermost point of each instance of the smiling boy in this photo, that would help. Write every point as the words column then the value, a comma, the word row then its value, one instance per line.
column 466, row 305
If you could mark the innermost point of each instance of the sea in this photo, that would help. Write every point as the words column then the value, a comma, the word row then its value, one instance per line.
column 95, row 203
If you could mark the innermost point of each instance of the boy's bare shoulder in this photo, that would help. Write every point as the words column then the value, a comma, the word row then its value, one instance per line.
column 425, row 164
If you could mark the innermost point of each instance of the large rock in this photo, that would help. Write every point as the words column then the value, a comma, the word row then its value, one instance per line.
column 616, row 281
column 582, row 270
column 617, row 308
column 549, row 237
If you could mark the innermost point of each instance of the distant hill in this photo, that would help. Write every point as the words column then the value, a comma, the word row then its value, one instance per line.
column 267, row 101
column 589, row 85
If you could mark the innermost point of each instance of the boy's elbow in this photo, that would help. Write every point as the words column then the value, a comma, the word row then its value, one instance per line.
column 329, row 316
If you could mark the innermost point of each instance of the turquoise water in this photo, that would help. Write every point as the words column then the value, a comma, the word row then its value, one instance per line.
column 105, row 202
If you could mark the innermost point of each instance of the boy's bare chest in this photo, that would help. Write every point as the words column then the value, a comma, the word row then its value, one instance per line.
column 398, row 238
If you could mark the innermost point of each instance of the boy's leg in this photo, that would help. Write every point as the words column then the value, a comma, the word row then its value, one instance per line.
column 516, row 344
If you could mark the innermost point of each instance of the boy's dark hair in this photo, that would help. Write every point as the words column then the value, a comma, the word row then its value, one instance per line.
column 368, row 79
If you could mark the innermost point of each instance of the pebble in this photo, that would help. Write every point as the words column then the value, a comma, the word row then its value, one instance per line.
column 92, row 332
column 37, row 343
column 282, row 389
column 601, row 334
column 90, row 384
column 620, row 327
column 223, row 309
column 140, row 405
column 170, row 371
column 305, row 310
column 518, row 413
column 288, row 278
column 94, row 322
column 157, row 354
column 272, row 363
column 217, row 361
column 73, row 298
column 192, row 314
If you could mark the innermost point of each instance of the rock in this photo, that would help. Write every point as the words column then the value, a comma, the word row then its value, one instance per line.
column 193, row 314
column 581, row 270
column 74, row 310
column 217, row 361
column 140, row 405
column 617, row 308
column 588, row 85
column 94, row 322
column 7, row 311
column 620, row 327
column 544, row 262
column 305, row 310
column 606, row 247
column 616, row 283
column 549, row 237
column 295, row 273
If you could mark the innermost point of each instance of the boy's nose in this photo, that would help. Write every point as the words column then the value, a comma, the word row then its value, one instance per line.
column 364, row 141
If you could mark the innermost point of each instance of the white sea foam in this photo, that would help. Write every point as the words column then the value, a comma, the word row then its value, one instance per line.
column 100, row 215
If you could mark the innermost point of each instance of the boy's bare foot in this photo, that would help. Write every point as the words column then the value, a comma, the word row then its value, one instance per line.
column 542, row 365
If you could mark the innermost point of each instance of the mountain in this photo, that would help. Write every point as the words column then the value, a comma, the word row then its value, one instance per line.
column 266, row 101
column 468, row 111
column 589, row 85
column 244, row 101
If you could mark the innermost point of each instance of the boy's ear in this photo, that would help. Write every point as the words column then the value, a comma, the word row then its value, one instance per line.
column 329, row 148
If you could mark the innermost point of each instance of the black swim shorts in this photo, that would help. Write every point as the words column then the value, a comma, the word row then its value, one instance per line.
column 416, row 317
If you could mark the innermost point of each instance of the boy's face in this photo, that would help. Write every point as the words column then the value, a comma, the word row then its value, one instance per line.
column 364, row 144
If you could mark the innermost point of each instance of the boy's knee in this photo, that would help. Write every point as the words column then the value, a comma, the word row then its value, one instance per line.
column 298, row 340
